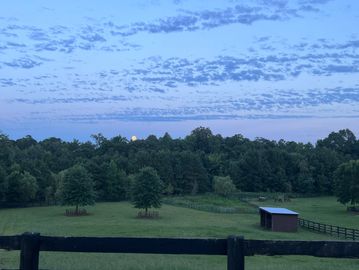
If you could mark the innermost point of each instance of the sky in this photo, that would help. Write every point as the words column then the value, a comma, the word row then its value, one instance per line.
column 278, row 69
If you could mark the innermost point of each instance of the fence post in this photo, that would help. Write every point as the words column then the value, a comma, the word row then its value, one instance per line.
column 353, row 234
column 30, row 249
column 235, row 253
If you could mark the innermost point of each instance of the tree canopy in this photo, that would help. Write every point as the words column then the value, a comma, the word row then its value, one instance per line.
column 347, row 182
column 77, row 187
column 185, row 166
column 147, row 189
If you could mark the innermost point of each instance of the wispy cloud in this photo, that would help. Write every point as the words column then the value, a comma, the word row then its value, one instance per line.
column 24, row 62
column 252, row 74
column 192, row 21
column 274, row 10
column 61, row 39
column 192, row 72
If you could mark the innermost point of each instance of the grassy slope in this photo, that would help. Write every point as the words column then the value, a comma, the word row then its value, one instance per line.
column 117, row 219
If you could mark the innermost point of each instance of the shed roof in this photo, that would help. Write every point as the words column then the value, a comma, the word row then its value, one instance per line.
column 280, row 211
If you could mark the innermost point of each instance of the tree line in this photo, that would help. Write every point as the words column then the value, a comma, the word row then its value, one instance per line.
column 33, row 171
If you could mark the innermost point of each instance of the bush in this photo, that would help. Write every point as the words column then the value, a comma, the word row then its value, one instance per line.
column 223, row 186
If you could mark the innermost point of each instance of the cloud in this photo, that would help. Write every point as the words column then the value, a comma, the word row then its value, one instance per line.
column 15, row 45
column 192, row 21
column 172, row 72
column 324, row 44
column 271, row 10
column 108, row 99
column 62, row 39
column 110, row 37
column 7, row 82
column 25, row 63
column 291, row 99
column 90, row 34
column 341, row 69
column 39, row 35
column 176, row 116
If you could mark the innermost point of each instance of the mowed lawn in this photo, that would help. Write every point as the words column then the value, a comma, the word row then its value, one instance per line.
column 119, row 219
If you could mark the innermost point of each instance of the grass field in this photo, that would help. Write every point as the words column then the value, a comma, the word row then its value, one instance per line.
column 118, row 219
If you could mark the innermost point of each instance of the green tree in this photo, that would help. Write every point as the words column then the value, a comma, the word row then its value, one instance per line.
column 201, row 139
column 147, row 189
column 29, row 187
column 223, row 185
column 190, row 174
column 116, row 182
column 347, row 182
column 25, row 142
column 77, row 188
column 342, row 141
column 324, row 162
column 3, row 184
column 21, row 186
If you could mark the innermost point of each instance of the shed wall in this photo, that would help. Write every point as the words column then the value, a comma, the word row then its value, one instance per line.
column 284, row 223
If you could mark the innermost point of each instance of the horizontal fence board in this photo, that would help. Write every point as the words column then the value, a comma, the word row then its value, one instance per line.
column 135, row 245
column 334, row 249
column 10, row 242
column 347, row 233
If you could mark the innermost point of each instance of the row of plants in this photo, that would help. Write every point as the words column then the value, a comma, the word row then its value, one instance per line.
column 195, row 203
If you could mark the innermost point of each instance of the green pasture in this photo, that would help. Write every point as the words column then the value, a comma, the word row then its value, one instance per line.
column 119, row 219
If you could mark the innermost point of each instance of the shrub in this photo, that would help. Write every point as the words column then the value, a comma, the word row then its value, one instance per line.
column 223, row 185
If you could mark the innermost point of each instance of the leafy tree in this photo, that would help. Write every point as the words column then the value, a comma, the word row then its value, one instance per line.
column 343, row 141
column 21, row 186
column 8, row 151
column 97, row 168
column 250, row 172
column 59, row 158
column 77, row 187
column 147, row 189
column 304, row 182
column 25, row 142
column 29, row 187
column 347, row 182
column 116, row 182
column 33, row 159
column 166, row 141
column 223, row 185
column 324, row 162
column 201, row 139
column 190, row 174
column 163, row 163
column 3, row 184
column 185, row 166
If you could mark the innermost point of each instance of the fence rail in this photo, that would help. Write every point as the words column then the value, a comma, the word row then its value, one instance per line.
column 234, row 247
column 346, row 233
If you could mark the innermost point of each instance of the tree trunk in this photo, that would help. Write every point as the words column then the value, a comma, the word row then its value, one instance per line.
column 77, row 210
column 146, row 211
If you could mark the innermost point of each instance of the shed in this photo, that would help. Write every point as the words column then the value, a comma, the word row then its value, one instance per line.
column 278, row 219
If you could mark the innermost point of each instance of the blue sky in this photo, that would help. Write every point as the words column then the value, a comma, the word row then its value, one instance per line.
column 263, row 68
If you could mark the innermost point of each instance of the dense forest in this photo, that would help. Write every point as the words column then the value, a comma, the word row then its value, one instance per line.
column 31, row 171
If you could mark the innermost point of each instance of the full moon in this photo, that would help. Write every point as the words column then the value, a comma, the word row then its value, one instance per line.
column 133, row 138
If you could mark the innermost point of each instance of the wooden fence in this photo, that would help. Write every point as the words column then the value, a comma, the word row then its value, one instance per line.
column 234, row 247
column 346, row 233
